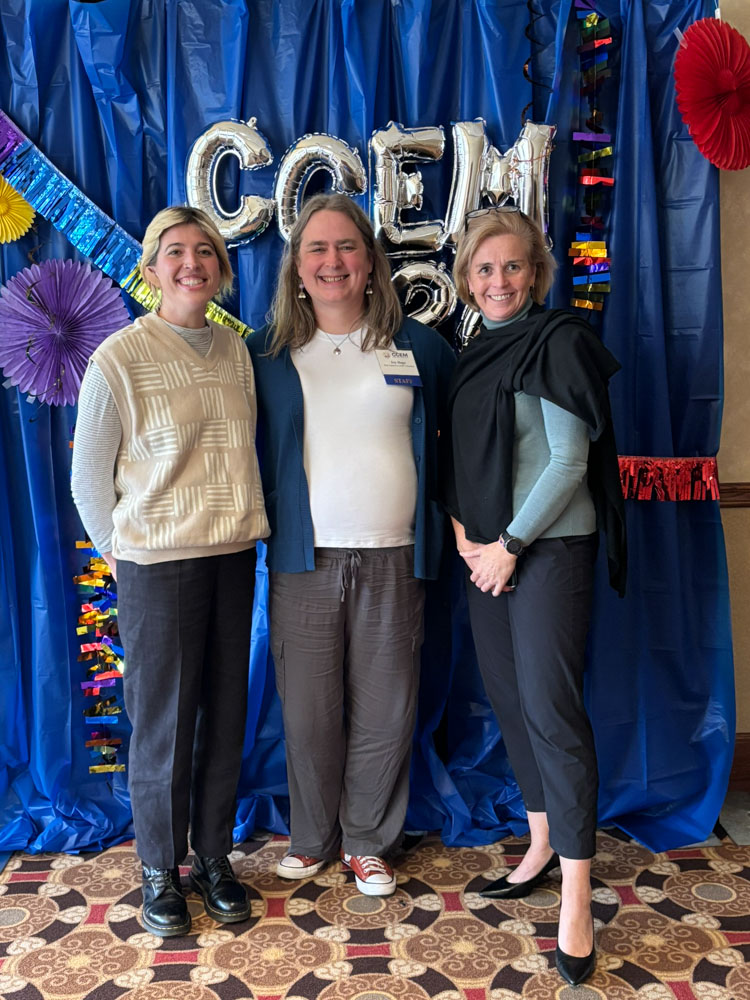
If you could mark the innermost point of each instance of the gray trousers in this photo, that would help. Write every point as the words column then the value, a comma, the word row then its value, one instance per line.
column 346, row 639
column 185, row 629
column 530, row 646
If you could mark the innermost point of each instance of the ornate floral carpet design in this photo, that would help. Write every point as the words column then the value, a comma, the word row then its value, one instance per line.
column 674, row 925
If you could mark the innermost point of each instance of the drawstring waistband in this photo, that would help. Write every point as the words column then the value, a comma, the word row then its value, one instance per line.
column 349, row 565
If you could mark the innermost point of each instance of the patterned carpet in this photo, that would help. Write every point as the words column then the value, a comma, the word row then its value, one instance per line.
column 668, row 925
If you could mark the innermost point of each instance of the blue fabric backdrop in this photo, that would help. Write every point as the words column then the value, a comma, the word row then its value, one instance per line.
column 115, row 93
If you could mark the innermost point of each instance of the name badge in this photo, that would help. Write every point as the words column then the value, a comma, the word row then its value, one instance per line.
column 398, row 367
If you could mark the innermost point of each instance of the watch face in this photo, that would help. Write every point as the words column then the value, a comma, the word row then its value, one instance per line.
column 512, row 545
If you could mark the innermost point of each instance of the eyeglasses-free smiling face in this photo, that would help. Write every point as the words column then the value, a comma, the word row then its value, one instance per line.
column 188, row 273
column 333, row 265
column 500, row 276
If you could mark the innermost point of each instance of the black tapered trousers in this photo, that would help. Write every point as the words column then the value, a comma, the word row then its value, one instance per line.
column 530, row 646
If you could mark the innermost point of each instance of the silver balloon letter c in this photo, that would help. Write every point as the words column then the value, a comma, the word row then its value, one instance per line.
column 243, row 141
column 303, row 158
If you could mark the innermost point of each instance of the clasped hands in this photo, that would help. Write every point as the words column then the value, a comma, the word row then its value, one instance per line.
column 491, row 565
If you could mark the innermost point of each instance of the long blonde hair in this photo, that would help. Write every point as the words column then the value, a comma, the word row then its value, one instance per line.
column 293, row 318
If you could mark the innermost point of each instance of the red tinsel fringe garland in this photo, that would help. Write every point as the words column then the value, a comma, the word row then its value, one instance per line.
column 645, row 478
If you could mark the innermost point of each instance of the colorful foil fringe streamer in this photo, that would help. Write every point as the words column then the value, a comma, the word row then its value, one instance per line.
column 85, row 226
column 645, row 478
column 100, row 650
column 591, row 261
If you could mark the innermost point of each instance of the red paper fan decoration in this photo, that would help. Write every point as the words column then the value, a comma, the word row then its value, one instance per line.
column 712, row 77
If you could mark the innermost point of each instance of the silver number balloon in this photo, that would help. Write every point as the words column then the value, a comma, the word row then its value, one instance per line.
column 428, row 288
column 243, row 141
column 396, row 190
column 468, row 326
column 481, row 171
column 303, row 158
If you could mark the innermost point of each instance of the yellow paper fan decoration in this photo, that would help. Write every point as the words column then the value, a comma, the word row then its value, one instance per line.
column 16, row 215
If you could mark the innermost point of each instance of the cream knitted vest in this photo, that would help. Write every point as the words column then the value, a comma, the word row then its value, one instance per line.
column 186, row 477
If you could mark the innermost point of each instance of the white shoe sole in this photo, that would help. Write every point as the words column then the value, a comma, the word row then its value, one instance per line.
column 371, row 888
column 284, row 871
column 376, row 888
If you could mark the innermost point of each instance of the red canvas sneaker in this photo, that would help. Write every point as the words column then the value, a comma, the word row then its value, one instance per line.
column 374, row 877
column 299, row 866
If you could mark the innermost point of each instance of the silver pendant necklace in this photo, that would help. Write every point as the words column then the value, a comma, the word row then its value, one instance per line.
column 336, row 345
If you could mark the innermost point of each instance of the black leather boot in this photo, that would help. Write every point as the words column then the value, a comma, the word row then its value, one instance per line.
column 224, row 897
column 165, row 911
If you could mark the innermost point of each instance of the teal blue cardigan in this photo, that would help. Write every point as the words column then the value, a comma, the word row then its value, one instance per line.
column 280, row 438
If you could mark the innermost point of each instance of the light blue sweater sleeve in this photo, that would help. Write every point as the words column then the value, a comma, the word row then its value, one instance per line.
column 550, row 495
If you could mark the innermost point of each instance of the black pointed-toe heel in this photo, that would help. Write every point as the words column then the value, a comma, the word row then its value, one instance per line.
column 575, row 970
column 501, row 888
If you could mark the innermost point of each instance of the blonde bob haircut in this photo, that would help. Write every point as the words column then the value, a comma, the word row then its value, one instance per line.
column 183, row 215
column 484, row 227
column 293, row 318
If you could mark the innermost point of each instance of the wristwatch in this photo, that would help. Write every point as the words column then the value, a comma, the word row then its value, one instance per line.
column 513, row 545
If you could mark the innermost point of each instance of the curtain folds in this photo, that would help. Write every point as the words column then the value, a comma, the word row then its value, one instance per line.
column 115, row 93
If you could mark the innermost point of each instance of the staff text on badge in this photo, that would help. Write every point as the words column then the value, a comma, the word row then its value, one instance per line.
column 398, row 367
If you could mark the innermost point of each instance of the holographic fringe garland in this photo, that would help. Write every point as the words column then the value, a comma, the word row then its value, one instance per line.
column 591, row 261
column 100, row 650
column 85, row 226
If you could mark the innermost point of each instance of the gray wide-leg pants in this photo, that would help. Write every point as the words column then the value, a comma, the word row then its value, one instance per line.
column 346, row 639
column 185, row 629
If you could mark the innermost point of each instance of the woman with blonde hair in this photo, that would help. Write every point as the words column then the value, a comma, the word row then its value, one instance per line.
column 351, row 400
column 166, row 481
column 534, row 474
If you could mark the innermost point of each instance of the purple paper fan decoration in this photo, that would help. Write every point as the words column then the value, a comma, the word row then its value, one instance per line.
column 53, row 316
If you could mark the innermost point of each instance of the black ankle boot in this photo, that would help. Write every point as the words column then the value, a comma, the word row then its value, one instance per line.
column 165, row 911
column 223, row 896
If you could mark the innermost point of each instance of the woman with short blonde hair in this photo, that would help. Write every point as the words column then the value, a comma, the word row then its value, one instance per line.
column 183, row 215
column 534, row 474
column 166, row 481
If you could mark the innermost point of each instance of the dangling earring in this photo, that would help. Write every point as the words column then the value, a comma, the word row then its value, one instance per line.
column 301, row 294
column 368, row 289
